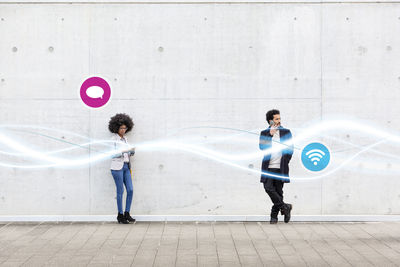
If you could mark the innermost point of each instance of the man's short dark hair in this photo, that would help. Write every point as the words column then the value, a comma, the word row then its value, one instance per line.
column 270, row 114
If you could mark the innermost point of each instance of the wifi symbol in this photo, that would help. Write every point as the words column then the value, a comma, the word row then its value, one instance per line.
column 315, row 157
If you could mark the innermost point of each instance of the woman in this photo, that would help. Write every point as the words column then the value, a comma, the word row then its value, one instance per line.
column 119, row 125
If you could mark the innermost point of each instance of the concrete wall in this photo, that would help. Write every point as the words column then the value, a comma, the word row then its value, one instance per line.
column 189, row 64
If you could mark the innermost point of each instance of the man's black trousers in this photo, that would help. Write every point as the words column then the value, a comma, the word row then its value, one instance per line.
column 274, row 189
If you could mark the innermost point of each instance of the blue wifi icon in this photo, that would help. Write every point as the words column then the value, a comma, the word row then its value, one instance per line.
column 315, row 157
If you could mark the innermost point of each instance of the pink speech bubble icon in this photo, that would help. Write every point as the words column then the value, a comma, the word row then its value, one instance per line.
column 94, row 100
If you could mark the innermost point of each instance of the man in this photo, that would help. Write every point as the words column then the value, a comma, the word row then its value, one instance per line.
column 276, row 162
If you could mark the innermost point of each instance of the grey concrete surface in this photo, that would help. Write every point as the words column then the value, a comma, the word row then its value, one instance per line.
column 200, row 244
column 179, row 65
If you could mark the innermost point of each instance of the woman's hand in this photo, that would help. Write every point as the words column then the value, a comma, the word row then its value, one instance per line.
column 132, row 150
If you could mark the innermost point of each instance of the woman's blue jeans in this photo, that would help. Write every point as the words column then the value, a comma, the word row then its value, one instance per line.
column 122, row 177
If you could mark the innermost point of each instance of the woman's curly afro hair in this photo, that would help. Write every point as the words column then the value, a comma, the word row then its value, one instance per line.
column 118, row 120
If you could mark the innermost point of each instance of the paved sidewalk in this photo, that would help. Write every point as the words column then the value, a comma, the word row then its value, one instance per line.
column 200, row 244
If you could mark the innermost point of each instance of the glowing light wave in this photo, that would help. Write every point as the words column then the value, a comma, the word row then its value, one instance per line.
column 229, row 159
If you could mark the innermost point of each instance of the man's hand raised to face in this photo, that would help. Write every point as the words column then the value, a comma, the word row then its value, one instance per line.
column 273, row 130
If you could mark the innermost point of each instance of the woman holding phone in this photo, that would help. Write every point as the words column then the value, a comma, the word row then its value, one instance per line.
column 119, row 125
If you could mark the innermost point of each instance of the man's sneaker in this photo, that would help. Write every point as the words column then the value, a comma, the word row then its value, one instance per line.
column 286, row 210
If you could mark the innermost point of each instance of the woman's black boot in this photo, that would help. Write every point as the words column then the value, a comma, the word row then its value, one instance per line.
column 128, row 217
column 121, row 219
